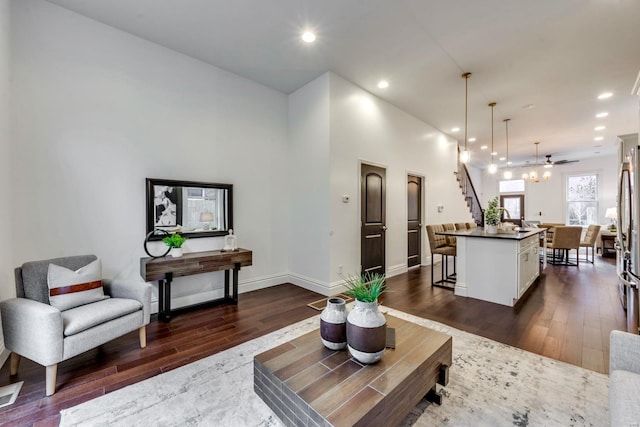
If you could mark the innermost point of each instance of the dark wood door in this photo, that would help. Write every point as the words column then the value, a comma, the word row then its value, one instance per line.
column 373, row 218
column 514, row 205
column 414, row 218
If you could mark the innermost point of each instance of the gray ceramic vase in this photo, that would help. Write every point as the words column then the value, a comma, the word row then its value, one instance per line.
column 333, row 324
column 366, row 332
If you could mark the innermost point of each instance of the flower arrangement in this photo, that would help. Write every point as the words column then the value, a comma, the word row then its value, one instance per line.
column 366, row 287
column 174, row 241
column 493, row 212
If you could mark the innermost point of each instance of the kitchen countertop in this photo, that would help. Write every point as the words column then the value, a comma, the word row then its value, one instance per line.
column 479, row 232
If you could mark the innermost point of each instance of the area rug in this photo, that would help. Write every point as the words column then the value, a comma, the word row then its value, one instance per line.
column 490, row 384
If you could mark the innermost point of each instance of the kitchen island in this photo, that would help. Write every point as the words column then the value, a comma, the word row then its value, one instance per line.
column 497, row 267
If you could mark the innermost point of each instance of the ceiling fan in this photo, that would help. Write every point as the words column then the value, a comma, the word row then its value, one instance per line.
column 550, row 163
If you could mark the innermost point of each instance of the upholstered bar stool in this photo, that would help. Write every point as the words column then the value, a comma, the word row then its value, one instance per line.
column 471, row 225
column 438, row 245
column 461, row 226
column 565, row 238
column 589, row 241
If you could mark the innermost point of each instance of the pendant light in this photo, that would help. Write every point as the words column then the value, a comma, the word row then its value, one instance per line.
column 465, row 156
column 533, row 176
column 492, row 167
column 507, row 173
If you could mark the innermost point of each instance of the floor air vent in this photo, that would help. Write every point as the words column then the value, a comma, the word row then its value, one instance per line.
column 9, row 394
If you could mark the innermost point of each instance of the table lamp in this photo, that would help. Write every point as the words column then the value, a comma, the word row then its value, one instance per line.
column 206, row 218
column 612, row 214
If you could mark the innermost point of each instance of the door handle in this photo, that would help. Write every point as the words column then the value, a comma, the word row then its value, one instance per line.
column 384, row 228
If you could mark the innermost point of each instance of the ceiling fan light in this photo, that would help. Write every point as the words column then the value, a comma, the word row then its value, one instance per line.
column 548, row 165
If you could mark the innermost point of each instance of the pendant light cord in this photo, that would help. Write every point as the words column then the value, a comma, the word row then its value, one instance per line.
column 466, row 76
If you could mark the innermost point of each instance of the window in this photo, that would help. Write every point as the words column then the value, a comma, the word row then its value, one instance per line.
column 512, row 186
column 582, row 199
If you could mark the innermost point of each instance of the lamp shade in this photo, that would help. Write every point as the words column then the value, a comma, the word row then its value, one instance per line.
column 206, row 217
column 612, row 213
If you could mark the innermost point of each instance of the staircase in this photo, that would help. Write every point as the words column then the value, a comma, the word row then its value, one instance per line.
column 469, row 193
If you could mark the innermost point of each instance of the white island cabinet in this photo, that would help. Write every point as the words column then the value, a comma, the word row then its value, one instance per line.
column 497, row 267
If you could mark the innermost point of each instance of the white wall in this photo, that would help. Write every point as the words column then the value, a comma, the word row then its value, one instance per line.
column 97, row 110
column 7, row 289
column 308, row 159
column 367, row 129
column 548, row 197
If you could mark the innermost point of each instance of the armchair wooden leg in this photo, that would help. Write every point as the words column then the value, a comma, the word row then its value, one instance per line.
column 143, row 336
column 15, row 363
column 52, row 373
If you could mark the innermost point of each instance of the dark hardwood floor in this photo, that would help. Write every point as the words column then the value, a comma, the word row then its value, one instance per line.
column 567, row 315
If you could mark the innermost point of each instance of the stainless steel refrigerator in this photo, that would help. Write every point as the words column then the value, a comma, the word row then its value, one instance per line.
column 627, row 244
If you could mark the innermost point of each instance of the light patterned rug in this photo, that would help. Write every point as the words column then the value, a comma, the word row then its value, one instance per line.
column 490, row 384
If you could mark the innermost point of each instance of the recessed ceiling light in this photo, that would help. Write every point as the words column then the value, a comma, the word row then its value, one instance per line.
column 455, row 129
column 601, row 115
column 598, row 138
column 599, row 128
column 484, row 147
column 529, row 106
column 383, row 84
column 605, row 95
column 308, row 37
column 509, row 162
column 494, row 153
column 502, row 159
column 472, row 140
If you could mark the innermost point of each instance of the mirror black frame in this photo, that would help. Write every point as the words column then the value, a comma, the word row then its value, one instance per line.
column 151, row 182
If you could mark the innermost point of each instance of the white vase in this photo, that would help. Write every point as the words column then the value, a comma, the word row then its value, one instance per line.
column 366, row 332
column 333, row 324
column 492, row 229
column 176, row 252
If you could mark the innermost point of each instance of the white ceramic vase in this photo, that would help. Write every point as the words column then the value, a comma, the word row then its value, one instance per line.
column 176, row 252
column 366, row 332
column 492, row 229
column 333, row 324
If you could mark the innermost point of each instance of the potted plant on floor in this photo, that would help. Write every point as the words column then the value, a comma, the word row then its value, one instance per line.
column 366, row 326
column 492, row 216
column 175, row 242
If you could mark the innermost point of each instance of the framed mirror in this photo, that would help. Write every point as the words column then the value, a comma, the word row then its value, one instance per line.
column 193, row 209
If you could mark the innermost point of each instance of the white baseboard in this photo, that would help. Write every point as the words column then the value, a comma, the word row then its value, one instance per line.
column 247, row 286
column 396, row 270
column 314, row 285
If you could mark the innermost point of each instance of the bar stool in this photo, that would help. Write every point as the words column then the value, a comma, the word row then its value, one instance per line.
column 438, row 245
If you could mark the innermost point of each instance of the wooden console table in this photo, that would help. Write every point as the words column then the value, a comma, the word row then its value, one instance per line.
column 165, row 269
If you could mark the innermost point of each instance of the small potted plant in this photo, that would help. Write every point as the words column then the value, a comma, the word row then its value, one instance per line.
column 492, row 216
column 366, row 326
column 175, row 242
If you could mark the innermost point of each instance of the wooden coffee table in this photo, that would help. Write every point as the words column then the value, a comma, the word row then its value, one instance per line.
column 305, row 383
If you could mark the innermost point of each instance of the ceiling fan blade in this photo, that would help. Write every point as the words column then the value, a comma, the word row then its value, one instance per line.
column 564, row 162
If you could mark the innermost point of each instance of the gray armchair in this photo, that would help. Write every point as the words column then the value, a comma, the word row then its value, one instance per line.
column 624, row 379
column 41, row 332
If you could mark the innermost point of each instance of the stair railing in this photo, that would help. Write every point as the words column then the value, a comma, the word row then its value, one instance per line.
column 469, row 192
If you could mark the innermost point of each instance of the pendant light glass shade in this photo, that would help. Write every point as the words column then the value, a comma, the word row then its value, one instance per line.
column 507, row 174
column 465, row 155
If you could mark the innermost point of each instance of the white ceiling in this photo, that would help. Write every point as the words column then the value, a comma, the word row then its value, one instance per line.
column 556, row 55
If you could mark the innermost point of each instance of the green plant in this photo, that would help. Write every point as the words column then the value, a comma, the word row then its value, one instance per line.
column 174, row 241
column 366, row 287
column 493, row 212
